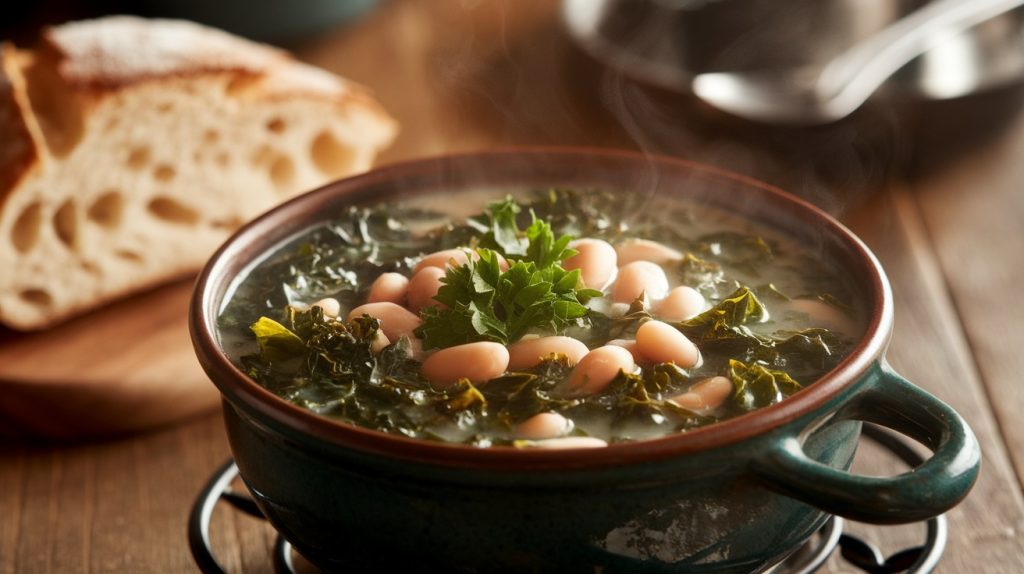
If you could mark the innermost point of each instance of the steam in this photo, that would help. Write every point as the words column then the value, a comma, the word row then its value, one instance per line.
column 833, row 166
column 517, row 77
column 631, row 113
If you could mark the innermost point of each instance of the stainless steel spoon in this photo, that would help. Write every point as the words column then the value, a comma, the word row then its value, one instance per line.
column 822, row 95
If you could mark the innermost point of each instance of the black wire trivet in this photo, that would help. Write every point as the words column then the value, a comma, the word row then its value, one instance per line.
column 807, row 559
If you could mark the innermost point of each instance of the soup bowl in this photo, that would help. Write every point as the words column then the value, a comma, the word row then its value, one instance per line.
column 735, row 496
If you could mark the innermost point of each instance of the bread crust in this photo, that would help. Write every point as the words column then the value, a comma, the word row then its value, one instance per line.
column 99, row 57
column 117, row 52
column 82, row 68
column 121, row 50
column 19, row 152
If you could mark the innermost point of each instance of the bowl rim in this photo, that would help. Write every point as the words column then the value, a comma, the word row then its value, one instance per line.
column 241, row 391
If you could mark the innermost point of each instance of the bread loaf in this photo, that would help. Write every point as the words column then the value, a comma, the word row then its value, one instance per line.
column 131, row 148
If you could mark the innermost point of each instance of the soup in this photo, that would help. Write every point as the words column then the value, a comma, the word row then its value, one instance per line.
column 558, row 319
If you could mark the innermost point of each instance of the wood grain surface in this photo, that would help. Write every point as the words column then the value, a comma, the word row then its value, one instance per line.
column 124, row 368
column 470, row 75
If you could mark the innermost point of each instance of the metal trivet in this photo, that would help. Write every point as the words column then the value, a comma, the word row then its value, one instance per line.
column 805, row 560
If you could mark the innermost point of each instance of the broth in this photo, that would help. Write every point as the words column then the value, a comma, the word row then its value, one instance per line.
column 770, row 317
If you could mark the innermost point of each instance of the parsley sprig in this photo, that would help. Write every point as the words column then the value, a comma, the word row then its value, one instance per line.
column 484, row 303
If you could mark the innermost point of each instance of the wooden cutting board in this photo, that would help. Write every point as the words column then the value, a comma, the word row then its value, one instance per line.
column 124, row 368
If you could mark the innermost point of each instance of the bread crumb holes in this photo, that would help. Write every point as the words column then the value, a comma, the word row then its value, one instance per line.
column 128, row 255
column 65, row 224
column 276, row 125
column 36, row 297
column 164, row 173
column 138, row 158
column 173, row 211
column 106, row 210
column 25, row 232
column 331, row 156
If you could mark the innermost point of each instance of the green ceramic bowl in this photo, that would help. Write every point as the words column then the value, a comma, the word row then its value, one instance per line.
column 737, row 496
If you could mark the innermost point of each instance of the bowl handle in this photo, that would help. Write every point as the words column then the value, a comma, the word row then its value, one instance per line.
column 935, row 486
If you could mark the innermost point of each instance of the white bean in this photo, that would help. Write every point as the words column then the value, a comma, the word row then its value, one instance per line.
column 443, row 259
column 389, row 287
column 706, row 395
column 596, row 261
column 453, row 258
column 640, row 277
column 330, row 306
column 660, row 343
column 478, row 362
column 423, row 287
column 569, row 442
column 680, row 304
column 598, row 367
column 632, row 250
column 529, row 352
column 396, row 321
column 629, row 345
column 543, row 425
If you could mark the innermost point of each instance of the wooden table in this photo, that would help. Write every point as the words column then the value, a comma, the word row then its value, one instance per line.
column 469, row 75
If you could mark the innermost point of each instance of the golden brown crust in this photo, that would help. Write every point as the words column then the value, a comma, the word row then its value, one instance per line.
column 74, row 86
column 112, row 53
column 298, row 78
column 96, row 58
column 120, row 50
column 19, row 152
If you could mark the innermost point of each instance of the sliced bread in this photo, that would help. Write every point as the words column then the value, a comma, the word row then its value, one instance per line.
column 131, row 148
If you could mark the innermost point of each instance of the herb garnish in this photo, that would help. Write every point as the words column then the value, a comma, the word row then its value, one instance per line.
column 331, row 367
column 484, row 303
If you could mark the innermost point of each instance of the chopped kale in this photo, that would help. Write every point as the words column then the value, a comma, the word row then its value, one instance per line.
column 332, row 367
column 758, row 386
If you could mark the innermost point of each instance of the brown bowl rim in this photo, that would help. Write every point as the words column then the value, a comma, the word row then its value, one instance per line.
column 236, row 387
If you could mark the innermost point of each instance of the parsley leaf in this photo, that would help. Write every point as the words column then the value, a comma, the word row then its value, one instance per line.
column 499, row 228
column 484, row 303
column 544, row 249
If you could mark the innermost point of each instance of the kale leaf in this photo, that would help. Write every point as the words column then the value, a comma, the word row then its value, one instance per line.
column 758, row 386
column 276, row 342
column 329, row 366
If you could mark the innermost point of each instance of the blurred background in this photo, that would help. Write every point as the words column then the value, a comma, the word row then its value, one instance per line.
column 928, row 172
column 617, row 73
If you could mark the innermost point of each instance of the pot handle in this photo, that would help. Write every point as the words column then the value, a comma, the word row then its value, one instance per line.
column 935, row 486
